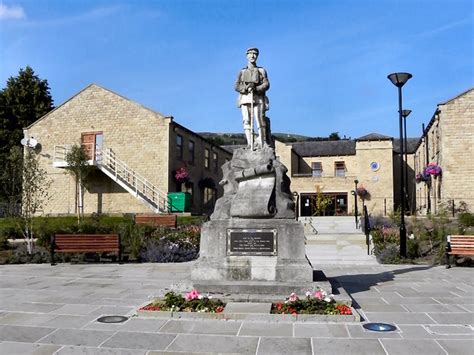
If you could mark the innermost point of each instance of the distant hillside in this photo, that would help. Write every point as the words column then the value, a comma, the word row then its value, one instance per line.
column 239, row 138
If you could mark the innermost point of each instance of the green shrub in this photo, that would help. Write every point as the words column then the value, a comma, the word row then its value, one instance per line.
column 413, row 249
column 466, row 219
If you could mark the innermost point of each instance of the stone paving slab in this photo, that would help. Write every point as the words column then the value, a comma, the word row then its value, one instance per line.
column 78, row 337
column 32, row 319
column 321, row 330
column 266, row 329
column 9, row 348
column 399, row 318
column 214, row 343
column 285, row 346
column 221, row 327
column 81, row 350
column 412, row 346
column 458, row 347
column 347, row 346
column 145, row 341
column 23, row 334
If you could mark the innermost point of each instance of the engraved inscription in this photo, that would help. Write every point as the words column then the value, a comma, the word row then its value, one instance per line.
column 251, row 242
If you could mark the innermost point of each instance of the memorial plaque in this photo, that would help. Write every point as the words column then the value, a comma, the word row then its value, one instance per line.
column 252, row 242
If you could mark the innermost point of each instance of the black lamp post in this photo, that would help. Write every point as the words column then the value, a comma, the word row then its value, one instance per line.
column 356, row 212
column 400, row 79
column 405, row 114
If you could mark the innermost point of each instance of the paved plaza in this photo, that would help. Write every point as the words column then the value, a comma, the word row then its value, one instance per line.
column 53, row 310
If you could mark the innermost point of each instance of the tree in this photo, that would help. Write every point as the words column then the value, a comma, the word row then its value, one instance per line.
column 78, row 167
column 334, row 136
column 25, row 99
column 11, row 181
column 35, row 194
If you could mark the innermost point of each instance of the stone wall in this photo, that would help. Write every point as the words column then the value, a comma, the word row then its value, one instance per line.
column 450, row 136
column 378, row 183
column 196, row 169
column 137, row 135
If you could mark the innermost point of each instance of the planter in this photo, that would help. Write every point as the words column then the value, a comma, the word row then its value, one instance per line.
column 265, row 317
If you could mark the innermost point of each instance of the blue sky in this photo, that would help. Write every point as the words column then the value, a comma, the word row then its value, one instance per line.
column 327, row 61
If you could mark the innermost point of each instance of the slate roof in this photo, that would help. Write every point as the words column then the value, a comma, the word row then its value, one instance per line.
column 374, row 137
column 325, row 148
column 412, row 144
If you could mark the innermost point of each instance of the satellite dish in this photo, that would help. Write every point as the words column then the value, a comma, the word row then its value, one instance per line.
column 29, row 142
column 32, row 143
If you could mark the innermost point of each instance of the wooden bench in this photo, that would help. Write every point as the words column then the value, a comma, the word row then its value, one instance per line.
column 166, row 220
column 459, row 245
column 86, row 243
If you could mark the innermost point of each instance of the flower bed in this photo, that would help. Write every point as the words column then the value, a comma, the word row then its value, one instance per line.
column 318, row 302
column 192, row 302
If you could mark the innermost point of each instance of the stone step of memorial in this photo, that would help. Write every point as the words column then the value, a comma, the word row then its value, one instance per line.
column 340, row 254
column 330, row 225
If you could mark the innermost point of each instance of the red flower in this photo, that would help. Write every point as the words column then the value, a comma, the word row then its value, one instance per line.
column 343, row 309
column 219, row 309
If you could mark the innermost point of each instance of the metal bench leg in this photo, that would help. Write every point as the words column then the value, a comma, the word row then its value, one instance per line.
column 448, row 266
column 52, row 251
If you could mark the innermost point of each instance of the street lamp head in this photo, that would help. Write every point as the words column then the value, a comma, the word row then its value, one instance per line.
column 406, row 113
column 356, row 181
column 399, row 79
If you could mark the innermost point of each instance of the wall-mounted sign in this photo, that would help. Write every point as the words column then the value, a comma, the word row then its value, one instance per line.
column 374, row 166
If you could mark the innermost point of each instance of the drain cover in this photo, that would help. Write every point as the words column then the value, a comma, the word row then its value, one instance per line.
column 380, row 327
column 112, row 319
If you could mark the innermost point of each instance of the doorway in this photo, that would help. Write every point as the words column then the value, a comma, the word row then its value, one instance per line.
column 92, row 143
column 335, row 204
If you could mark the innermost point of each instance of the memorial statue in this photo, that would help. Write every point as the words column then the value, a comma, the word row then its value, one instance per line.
column 252, row 83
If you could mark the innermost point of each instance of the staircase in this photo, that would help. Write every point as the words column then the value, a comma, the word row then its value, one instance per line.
column 107, row 162
column 335, row 240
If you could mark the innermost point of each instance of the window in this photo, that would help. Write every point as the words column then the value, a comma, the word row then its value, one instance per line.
column 317, row 168
column 209, row 195
column 189, row 188
column 179, row 147
column 206, row 158
column 216, row 162
column 191, row 152
column 340, row 168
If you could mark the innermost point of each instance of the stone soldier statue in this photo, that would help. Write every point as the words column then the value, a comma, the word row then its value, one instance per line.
column 252, row 83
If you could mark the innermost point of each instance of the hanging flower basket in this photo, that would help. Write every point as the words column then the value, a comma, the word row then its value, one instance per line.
column 181, row 175
column 433, row 169
column 362, row 192
column 422, row 177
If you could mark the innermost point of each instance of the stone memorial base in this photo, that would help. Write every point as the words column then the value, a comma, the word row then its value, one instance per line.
column 253, row 256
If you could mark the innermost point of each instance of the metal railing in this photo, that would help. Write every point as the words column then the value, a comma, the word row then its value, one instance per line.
column 137, row 183
column 119, row 171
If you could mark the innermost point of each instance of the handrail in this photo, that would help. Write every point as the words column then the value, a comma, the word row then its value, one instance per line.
column 139, row 183
column 106, row 159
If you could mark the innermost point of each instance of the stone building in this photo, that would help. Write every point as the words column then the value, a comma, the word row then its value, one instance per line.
column 330, row 169
column 135, row 150
column 448, row 143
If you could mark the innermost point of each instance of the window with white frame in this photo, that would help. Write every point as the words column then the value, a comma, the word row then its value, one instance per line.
column 317, row 169
column 339, row 168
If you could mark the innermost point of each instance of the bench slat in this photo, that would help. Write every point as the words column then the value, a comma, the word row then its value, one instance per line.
column 85, row 243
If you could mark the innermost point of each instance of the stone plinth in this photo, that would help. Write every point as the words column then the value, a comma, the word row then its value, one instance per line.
column 216, row 267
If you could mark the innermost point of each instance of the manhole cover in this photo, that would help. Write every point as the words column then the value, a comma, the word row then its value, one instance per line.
column 112, row 319
column 380, row 327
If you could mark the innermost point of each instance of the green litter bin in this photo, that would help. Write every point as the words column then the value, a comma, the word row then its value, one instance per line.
column 179, row 201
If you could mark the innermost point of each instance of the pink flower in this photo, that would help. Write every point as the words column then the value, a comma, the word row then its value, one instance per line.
column 319, row 295
column 194, row 294
column 293, row 297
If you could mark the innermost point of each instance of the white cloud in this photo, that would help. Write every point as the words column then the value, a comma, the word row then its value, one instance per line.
column 11, row 12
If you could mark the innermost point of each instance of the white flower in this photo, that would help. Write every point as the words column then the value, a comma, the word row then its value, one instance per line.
column 308, row 293
column 327, row 299
column 200, row 297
